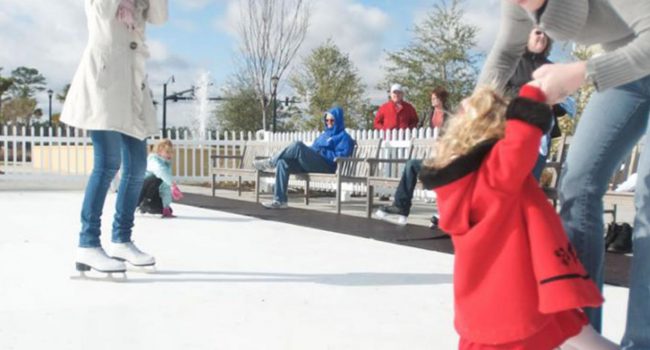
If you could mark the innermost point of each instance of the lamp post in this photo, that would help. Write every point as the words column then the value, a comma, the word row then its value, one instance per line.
column 274, row 83
column 164, row 112
column 49, row 95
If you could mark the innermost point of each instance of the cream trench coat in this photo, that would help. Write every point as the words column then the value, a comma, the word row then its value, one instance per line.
column 109, row 90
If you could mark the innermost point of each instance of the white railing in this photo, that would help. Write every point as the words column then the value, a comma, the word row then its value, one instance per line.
column 67, row 152
column 57, row 151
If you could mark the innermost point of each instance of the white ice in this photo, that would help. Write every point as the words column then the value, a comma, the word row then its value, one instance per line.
column 224, row 281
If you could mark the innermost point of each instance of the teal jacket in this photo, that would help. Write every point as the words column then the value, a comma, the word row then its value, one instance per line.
column 161, row 168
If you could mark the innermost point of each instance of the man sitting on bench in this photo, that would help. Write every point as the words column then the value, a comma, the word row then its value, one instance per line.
column 298, row 158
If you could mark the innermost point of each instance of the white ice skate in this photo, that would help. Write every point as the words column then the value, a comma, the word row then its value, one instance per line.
column 130, row 253
column 96, row 259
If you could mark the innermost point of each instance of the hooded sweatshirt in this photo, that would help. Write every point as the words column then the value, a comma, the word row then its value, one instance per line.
column 514, row 266
column 334, row 141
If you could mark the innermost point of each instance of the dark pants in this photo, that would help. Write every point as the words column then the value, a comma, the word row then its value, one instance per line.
column 407, row 183
column 150, row 201
column 296, row 158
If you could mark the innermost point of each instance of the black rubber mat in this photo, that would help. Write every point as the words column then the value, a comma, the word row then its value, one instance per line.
column 616, row 268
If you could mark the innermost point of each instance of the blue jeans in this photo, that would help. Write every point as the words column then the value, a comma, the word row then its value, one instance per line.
column 296, row 158
column 611, row 125
column 109, row 149
column 539, row 166
column 408, row 181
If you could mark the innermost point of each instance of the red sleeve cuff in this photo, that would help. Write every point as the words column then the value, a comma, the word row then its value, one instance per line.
column 532, row 93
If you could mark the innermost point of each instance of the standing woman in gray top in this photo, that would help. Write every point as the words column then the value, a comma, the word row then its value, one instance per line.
column 615, row 119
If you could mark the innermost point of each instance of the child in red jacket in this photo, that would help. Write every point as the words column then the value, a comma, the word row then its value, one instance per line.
column 518, row 283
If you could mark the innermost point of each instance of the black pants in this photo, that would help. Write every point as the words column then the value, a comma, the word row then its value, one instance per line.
column 150, row 201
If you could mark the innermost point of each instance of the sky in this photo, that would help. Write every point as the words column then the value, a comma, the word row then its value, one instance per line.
column 201, row 38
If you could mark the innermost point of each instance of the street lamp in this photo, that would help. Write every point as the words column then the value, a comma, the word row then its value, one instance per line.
column 274, row 83
column 164, row 113
column 49, row 95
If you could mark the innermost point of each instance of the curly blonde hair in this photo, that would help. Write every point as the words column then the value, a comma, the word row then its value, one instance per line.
column 481, row 117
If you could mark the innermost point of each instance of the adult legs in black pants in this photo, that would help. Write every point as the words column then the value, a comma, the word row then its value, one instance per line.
column 399, row 211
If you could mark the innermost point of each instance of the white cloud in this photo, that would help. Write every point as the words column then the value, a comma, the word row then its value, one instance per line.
column 158, row 50
column 357, row 29
column 485, row 15
column 52, row 37
column 49, row 38
column 360, row 30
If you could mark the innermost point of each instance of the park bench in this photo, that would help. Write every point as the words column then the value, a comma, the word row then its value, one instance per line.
column 419, row 149
column 350, row 170
column 239, row 164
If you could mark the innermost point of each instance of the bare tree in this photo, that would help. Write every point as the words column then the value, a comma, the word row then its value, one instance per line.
column 271, row 31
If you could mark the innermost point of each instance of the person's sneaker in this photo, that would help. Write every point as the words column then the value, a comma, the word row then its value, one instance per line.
column 275, row 205
column 434, row 222
column 97, row 259
column 263, row 164
column 392, row 214
column 129, row 252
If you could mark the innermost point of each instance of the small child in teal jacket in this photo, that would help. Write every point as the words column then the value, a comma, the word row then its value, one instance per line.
column 159, row 188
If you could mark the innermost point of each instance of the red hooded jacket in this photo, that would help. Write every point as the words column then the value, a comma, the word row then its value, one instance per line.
column 514, row 266
column 389, row 116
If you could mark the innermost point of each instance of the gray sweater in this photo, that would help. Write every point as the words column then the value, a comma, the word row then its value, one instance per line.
column 621, row 27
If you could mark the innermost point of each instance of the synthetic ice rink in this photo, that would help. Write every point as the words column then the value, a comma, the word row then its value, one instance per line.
column 223, row 281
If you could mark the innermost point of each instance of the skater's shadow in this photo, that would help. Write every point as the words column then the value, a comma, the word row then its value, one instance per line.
column 339, row 279
column 202, row 218
column 218, row 219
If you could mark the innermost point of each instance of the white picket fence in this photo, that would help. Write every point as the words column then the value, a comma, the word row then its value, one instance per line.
column 67, row 152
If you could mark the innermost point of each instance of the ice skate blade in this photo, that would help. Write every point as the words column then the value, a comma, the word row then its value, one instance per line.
column 109, row 277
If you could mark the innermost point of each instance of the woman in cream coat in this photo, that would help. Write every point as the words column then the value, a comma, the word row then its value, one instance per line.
column 110, row 98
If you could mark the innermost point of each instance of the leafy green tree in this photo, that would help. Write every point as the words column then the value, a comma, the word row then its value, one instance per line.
column 5, row 84
column 327, row 78
column 27, row 81
column 441, row 53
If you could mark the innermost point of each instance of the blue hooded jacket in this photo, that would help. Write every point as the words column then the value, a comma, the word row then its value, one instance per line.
column 335, row 141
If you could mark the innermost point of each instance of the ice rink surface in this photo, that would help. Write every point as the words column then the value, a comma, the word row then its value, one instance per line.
column 223, row 281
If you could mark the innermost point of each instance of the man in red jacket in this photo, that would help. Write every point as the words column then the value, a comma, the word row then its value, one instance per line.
column 396, row 113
